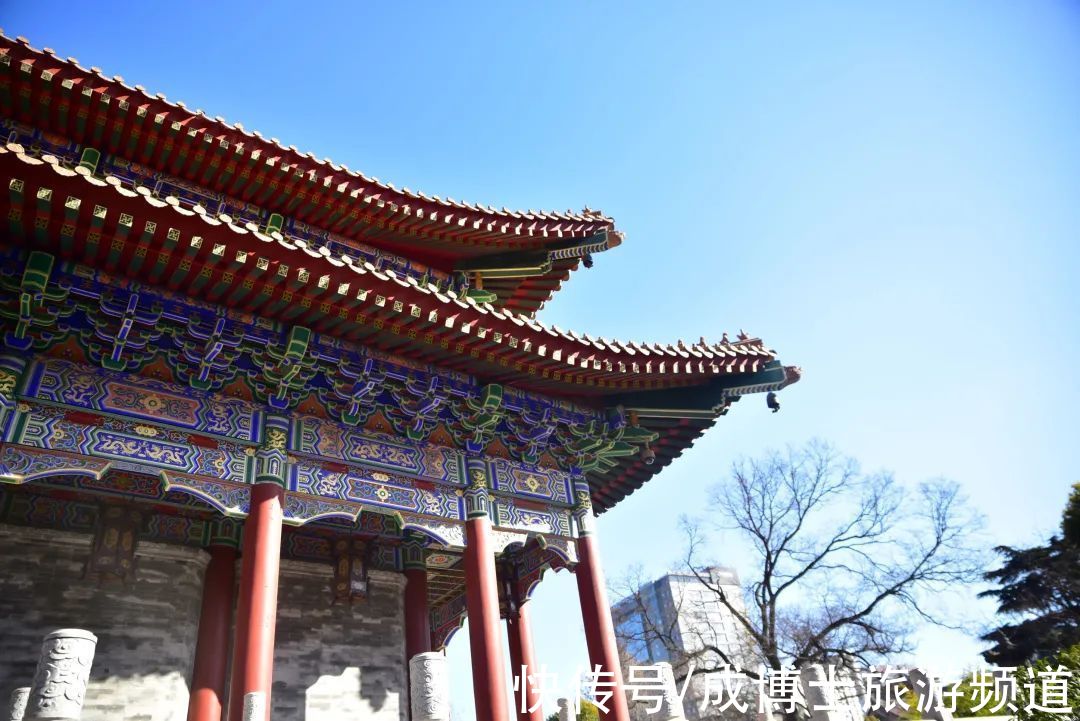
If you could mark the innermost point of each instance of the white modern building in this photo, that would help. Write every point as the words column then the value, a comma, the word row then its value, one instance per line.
column 687, row 612
column 678, row 617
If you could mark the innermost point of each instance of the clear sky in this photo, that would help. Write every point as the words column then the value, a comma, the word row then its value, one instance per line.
column 888, row 195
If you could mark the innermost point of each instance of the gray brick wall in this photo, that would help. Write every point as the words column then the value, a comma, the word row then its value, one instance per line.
column 332, row 663
column 340, row 662
column 146, row 632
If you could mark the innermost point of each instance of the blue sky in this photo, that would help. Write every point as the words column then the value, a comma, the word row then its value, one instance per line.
column 887, row 195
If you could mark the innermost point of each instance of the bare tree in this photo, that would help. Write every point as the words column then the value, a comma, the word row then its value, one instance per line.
column 846, row 563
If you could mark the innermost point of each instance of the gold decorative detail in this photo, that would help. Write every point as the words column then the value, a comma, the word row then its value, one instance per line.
column 275, row 439
column 381, row 493
column 249, row 451
column 148, row 431
column 533, row 483
column 477, row 478
column 430, row 501
column 381, row 477
column 23, row 407
column 584, row 500
column 8, row 381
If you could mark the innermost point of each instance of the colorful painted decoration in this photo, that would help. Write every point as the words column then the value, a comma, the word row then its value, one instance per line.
column 112, row 554
column 350, row 570
column 189, row 310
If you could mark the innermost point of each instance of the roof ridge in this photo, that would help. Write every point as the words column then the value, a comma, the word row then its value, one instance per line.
column 479, row 318
column 587, row 214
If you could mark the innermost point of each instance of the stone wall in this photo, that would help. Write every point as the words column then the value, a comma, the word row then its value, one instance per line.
column 146, row 631
column 338, row 662
column 331, row 663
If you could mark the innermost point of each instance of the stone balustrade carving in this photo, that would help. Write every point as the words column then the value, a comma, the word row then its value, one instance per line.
column 671, row 708
column 63, row 670
column 429, row 687
column 17, row 705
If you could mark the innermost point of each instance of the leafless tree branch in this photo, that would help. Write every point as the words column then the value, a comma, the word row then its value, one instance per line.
column 845, row 563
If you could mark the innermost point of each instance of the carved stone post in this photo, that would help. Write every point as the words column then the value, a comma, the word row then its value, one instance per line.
column 565, row 712
column 254, row 706
column 19, row 697
column 671, row 708
column 429, row 688
column 928, row 691
column 60, row 681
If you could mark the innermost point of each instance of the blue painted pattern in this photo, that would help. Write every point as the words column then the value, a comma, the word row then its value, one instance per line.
column 332, row 440
column 376, row 488
column 47, row 427
column 530, row 480
column 62, row 382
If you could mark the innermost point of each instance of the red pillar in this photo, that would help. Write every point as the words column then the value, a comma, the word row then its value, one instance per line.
column 596, row 615
column 482, row 604
column 212, row 649
column 236, row 672
column 519, row 634
column 417, row 620
column 482, row 600
column 256, row 613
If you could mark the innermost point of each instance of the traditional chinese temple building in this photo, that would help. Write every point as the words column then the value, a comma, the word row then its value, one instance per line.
column 271, row 428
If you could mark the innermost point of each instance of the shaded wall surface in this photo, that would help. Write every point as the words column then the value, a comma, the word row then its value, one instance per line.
column 331, row 662
column 338, row 662
column 146, row 631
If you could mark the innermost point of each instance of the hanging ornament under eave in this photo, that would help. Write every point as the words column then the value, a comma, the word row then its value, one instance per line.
column 351, row 560
column 112, row 554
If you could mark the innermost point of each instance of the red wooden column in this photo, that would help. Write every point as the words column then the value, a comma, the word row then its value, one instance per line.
column 208, row 675
column 482, row 600
column 595, row 610
column 256, row 611
column 519, row 635
column 417, row 616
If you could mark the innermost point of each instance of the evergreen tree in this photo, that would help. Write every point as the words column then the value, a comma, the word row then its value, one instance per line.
column 1067, row 660
column 1040, row 588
